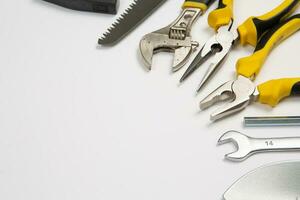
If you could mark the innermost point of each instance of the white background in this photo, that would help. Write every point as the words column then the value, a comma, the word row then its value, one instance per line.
column 79, row 121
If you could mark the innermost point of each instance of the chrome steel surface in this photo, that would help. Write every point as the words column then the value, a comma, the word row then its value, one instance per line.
column 133, row 16
column 272, row 121
column 280, row 181
column 241, row 92
column 173, row 38
column 247, row 146
column 218, row 46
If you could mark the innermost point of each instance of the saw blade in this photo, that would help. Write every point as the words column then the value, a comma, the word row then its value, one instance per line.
column 137, row 11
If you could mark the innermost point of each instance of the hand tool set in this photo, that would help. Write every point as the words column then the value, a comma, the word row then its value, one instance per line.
column 276, row 182
column 242, row 91
column 262, row 32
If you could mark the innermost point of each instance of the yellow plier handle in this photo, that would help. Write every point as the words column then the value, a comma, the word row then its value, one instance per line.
column 272, row 92
column 222, row 15
column 254, row 27
column 251, row 65
column 201, row 4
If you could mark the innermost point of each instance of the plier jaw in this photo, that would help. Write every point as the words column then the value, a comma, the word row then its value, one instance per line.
column 222, row 41
column 240, row 92
column 216, row 47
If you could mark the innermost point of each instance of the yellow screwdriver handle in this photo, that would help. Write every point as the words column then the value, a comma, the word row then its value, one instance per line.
column 222, row 15
column 254, row 27
column 251, row 65
column 272, row 92
column 201, row 4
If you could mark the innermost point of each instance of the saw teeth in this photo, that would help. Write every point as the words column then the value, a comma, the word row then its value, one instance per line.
column 127, row 16
column 121, row 17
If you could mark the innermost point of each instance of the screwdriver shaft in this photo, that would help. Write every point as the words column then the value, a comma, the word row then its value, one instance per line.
column 272, row 121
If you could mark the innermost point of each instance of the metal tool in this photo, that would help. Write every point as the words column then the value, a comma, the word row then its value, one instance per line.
column 220, row 44
column 272, row 121
column 138, row 11
column 247, row 146
column 242, row 91
column 99, row 6
column 280, row 181
column 176, row 37
column 228, row 34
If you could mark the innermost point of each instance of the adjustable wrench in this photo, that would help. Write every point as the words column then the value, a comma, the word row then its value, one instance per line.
column 175, row 37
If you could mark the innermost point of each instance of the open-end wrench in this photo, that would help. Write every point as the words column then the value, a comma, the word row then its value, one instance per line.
column 247, row 146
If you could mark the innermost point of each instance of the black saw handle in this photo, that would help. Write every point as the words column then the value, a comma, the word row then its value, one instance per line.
column 98, row 6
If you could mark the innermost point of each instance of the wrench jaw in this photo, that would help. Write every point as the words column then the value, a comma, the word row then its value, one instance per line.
column 174, row 38
column 182, row 55
column 147, row 48
column 160, row 42
column 242, row 143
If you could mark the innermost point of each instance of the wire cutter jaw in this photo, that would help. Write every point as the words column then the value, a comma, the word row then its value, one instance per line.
column 174, row 38
column 222, row 41
column 241, row 92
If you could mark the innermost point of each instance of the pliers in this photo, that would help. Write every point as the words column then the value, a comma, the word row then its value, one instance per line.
column 176, row 37
column 242, row 91
column 228, row 34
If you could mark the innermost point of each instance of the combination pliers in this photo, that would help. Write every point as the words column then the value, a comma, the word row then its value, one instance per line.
column 228, row 34
column 242, row 91
column 176, row 37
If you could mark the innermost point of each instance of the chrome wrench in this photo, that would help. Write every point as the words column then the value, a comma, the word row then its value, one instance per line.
column 247, row 146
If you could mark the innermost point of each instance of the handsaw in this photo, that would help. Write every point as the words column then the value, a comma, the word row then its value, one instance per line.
column 137, row 11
